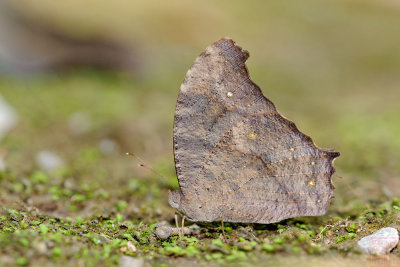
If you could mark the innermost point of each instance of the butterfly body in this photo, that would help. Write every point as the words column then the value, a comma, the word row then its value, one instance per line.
column 236, row 157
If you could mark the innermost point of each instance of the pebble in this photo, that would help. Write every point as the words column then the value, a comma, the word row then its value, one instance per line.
column 79, row 123
column 8, row 117
column 40, row 247
column 128, row 261
column 3, row 165
column 162, row 223
column 131, row 247
column 48, row 160
column 163, row 232
column 194, row 227
column 107, row 146
column 381, row 242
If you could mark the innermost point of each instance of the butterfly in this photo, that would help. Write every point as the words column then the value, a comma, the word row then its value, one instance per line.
column 237, row 159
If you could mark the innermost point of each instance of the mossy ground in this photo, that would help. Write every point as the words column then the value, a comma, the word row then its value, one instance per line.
column 32, row 236
column 333, row 71
column 85, row 212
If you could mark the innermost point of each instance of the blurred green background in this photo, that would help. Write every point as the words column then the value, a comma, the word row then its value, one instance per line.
column 332, row 67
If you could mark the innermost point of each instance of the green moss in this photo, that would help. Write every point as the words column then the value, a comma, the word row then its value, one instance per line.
column 279, row 241
column 43, row 229
column 56, row 252
column 268, row 248
column 22, row 261
column 345, row 237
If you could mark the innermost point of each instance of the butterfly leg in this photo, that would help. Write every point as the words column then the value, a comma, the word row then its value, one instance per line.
column 182, row 225
column 223, row 228
column 176, row 221
column 177, row 226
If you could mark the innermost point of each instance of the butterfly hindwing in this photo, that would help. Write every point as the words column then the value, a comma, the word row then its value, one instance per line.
column 237, row 158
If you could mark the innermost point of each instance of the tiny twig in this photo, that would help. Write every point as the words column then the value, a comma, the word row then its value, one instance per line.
column 320, row 233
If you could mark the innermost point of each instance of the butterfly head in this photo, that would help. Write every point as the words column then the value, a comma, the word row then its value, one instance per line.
column 178, row 201
column 174, row 198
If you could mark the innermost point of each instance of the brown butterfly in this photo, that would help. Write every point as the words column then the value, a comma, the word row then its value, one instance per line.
column 237, row 159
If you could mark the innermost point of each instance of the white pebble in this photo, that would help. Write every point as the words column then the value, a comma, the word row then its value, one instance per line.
column 79, row 123
column 8, row 117
column 128, row 261
column 381, row 242
column 107, row 146
column 2, row 164
column 131, row 247
column 48, row 160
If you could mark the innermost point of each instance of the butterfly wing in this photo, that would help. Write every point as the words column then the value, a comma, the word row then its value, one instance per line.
column 236, row 157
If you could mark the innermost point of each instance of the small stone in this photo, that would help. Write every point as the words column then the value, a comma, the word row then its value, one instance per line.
column 128, row 261
column 131, row 247
column 79, row 123
column 194, row 227
column 266, row 240
column 8, row 117
column 162, row 223
column 107, row 146
column 48, row 160
column 3, row 165
column 163, row 232
column 40, row 247
column 381, row 242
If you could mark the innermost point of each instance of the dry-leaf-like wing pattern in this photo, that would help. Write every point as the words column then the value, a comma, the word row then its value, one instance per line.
column 236, row 157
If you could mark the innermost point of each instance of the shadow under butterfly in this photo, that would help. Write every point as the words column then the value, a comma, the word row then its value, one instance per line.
column 237, row 159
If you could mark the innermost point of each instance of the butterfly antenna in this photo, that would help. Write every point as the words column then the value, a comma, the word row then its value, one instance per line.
column 145, row 165
column 351, row 189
